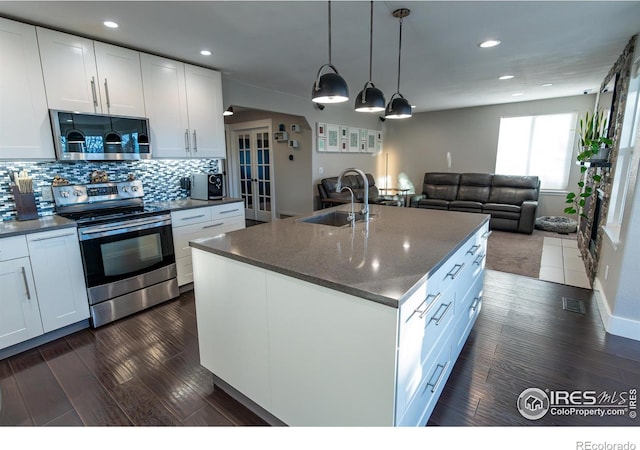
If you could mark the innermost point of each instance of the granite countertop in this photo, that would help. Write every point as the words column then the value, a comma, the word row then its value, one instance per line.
column 188, row 203
column 386, row 264
column 46, row 223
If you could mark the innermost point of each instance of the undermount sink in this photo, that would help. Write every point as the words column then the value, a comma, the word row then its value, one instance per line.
column 333, row 218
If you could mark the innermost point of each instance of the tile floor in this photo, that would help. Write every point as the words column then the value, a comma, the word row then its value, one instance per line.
column 561, row 263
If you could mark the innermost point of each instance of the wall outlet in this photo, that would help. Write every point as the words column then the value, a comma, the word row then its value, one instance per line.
column 320, row 170
column 606, row 272
column 47, row 193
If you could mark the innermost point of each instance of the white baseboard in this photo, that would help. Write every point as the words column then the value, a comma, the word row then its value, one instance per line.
column 620, row 326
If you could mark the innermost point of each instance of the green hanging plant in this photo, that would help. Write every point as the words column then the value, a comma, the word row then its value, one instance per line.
column 592, row 134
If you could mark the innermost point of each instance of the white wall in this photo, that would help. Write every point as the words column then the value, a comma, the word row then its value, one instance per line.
column 420, row 144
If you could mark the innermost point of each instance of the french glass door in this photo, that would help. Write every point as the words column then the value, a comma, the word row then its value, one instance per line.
column 256, row 172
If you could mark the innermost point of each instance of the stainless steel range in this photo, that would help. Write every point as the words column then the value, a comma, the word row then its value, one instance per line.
column 127, row 247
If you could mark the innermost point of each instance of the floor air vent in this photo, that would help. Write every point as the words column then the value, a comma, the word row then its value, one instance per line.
column 573, row 305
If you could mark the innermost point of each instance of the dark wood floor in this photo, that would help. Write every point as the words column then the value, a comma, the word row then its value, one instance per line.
column 144, row 370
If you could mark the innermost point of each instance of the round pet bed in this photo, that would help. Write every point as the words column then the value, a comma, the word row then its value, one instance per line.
column 557, row 224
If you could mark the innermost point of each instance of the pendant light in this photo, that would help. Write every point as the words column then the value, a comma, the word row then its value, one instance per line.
column 228, row 111
column 370, row 99
column 398, row 107
column 330, row 87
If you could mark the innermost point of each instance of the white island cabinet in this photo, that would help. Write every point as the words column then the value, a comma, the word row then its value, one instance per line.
column 314, row 338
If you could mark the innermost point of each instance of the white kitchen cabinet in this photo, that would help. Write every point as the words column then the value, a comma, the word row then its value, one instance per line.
column 199, row 223
column 184, row 106
column 20, row 317
column 25, row 128
column 90, row 77
column 59, row 277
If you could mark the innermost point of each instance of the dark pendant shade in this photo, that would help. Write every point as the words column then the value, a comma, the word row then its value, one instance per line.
column 330, row 88
column 398, row 108
column 370, row 99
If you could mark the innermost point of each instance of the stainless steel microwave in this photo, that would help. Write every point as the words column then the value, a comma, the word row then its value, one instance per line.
column 83, row 136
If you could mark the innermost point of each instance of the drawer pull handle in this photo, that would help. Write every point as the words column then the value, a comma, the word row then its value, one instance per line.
column 424, row 311
column 435, row 384
column 26, row 283
column 229, row 211
column 439, row 319
column 212, row 226
column 192, row 217
column 50, row 237
column 486, row 234
column 453, row 274
column 476, row 302
column 473, row 249
column 479, row 259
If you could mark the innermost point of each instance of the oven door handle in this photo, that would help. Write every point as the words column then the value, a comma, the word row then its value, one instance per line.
column 134, row 225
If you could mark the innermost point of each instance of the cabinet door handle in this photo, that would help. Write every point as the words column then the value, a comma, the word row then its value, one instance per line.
column 473, row 249
column 192, row 217
column 93, row 92
column 439, row 319
column 186, row 140
column 195, row 141
column 212, row 226
column 106, row 92
column 424, row 311
column 475, row 303
column 26, row 283
column 453, row 274
column 229, row 211
column 435, row 384
column 486, row 234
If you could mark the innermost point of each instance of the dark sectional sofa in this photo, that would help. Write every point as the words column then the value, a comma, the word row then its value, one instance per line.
column 511, row 200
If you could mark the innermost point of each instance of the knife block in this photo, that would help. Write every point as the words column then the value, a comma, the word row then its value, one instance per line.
column 25, row 204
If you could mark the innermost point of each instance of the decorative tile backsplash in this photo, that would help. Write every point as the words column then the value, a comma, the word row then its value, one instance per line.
column 160, row 178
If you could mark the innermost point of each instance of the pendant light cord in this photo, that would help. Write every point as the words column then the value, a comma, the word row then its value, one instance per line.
column 371, row 43
column 399, row 53
column 329, row 32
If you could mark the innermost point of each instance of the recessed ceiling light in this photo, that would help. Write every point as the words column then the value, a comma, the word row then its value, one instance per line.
column 505, row 77
column 517, row 94
column 110, row 24
column 205, row 52
column 488, row 44
column 547, row 85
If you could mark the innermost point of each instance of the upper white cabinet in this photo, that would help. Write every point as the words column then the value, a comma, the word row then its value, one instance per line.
column 184, row 107
column 25, row 129
column 92, row 77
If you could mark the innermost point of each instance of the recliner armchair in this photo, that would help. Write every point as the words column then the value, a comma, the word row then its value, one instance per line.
column 511, row 200
column 328, row 195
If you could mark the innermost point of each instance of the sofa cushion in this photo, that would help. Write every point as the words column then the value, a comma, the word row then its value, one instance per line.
column 474, row 187
column 513, row 189
column 504, row 211
column 465, row 205
column 433, row 203
column 441, row 185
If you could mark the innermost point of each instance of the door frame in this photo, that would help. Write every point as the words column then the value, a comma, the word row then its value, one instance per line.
column 233, row 163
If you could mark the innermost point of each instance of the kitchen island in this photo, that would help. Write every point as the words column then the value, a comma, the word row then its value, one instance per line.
column 310, row 324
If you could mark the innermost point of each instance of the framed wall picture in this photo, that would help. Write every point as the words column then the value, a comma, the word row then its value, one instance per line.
column 333, row 139
column 379, row 136
column 371, row 140
column 344, row 145
column 322, row 144
column 321, row 129
column 344, row 132
column 354, row 139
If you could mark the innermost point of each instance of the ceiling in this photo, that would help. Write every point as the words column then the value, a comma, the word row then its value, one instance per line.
column 280, row 45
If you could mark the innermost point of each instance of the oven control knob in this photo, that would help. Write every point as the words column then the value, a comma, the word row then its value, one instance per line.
column 134, row 188
column 125, row 189
column 65, row 194
column 77, row 193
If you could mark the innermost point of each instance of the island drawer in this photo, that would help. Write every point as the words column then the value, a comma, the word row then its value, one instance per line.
column 435, row 374
column 13, row 247
column 420, row 337
column 190, row 216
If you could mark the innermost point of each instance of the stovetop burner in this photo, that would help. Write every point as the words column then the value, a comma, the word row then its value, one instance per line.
column 94, row 217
